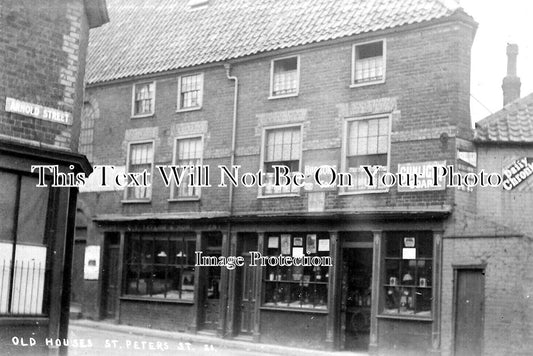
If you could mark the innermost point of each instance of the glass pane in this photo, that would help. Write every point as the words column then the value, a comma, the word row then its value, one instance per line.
column 8, row 191
column 28, row 279
column 32, row 212
column 6, row 251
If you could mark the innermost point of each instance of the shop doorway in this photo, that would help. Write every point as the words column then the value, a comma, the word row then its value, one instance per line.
column 245, row 287
column 356, row 297
column 110, row 292
column 211, row 286
column 469, row 311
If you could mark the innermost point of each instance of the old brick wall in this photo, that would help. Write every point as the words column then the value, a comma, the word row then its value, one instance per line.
column 425, row 91
column 42, row 57
column 507, row 327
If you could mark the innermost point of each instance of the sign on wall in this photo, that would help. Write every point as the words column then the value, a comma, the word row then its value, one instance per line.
column 517, row 172
column 425, row 174
column 38, row 111
column 92, row 263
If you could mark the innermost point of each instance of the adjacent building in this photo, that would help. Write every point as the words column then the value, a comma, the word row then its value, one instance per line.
column 301, row 84
column 43, row 51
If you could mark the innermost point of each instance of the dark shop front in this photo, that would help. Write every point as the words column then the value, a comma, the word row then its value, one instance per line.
column 369, row 283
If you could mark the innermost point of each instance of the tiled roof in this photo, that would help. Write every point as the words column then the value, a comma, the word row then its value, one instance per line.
column 512, row 124
column 151, row 36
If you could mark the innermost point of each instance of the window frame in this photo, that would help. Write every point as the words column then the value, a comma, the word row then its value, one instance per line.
column 434, row 286
column 272, row 65
column 201, row 93
column 149, row 199
column 353, row 83
column 135, row 115
column 48, row 243
column 262, row 158
column 173, row 186
column 291, row 282
column 141, row 236
column 344, row 161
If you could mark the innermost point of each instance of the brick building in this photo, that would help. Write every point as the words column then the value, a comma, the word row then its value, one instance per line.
column 42, row 64
column 303, row 84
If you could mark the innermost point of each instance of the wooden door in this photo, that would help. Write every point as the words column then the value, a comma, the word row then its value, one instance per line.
column 469, row 312
column 248, row 290
column 78, row 256
column 212, row 298
column 111, row 292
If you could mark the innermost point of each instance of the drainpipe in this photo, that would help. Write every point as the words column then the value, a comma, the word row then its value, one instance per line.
column 227, row 248
column 233, row 129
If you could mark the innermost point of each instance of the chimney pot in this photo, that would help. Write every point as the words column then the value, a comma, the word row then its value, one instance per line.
column 511, row 83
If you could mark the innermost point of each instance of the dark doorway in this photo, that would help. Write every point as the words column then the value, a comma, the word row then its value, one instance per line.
column 211, row 286
column 357, row 250
column 469, row 311
column 110, row 292
column 245, row 286
column 78, row 257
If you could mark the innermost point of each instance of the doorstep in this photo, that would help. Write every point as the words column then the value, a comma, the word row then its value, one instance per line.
column 237, row 343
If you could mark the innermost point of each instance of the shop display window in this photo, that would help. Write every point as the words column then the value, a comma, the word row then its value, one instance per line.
column 408, row 273
column 24, row 269
column 304, row 287
column 160, row 266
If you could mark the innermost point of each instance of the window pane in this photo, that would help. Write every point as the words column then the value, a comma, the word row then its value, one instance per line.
column 141, row 158
column 285, row 79
column 369, row 62
column 190, row 91
column 28, row 279
column 188, row 154
column 32, row 212
column 8, row 191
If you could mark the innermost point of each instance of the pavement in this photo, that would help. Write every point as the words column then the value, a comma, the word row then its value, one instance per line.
column 101, row 338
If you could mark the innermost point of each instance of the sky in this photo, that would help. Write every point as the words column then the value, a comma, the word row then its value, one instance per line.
column 500, row 22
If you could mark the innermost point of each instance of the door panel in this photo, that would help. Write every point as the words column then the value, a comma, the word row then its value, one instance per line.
column 248, row 298
column 111, row 281
column 469, row 312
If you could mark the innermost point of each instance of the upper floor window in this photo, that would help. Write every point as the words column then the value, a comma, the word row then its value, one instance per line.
column 367, row 144
column 85, row 145
column 140, row 160
column 282, row 148
column 188, row 152
column 190, row 91
column 284, row 77
column 143, row 99
column 368, row 63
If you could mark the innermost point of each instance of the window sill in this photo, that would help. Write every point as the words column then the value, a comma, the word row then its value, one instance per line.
column 196, row 108
column 404, row 317
column 291, row 195
column 364, row 84
column 159, row 300
column 364, row 192
column 175, row 200
column 143, row 116
column 297, row 310
column 138, row 201
column 274, row 97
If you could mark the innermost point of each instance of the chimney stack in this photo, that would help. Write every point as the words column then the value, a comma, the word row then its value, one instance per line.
column 511, row 83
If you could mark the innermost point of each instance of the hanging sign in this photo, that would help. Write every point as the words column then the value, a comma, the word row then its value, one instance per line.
column 92, row 263
column 517, row 172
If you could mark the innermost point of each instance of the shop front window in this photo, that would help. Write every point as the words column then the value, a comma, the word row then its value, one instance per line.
column 302, row 287
column 160, row 266
column 23, row 245
column 408, row 273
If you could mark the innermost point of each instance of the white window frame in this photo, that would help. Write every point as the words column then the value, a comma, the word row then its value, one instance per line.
column 133, row 114
column 127, row 170
column 271, row 92
column 200, row 96
column 174, row 157
column 262, row 159
column 353, row 84
column 344, row 168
